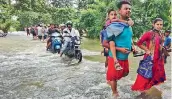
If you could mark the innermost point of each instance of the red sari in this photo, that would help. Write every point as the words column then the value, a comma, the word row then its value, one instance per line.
column 158, row 72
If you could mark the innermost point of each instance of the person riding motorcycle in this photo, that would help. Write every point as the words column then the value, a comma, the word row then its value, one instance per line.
column 51, row 30
column 68, row 33
column 62, row 27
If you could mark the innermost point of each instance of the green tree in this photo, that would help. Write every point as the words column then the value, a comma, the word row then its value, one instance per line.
column 87, row 15
column 151, row 9
column 93, row 19
column 62, row 15
column 62, row 3
column 6, row 12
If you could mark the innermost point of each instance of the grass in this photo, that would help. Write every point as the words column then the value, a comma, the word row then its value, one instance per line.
column 96, row 58
column 92, row 45
column 133, row 64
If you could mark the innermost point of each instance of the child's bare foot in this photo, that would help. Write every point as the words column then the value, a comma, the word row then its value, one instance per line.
column 117, row 66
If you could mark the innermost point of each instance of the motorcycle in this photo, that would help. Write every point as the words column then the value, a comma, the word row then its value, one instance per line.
column 73, row 49
column 56, row 43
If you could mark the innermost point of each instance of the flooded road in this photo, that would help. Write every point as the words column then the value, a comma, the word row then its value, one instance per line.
column 27, row 71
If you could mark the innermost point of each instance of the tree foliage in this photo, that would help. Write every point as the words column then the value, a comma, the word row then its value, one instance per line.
column 6, row 15
column 62, row 3
column 150, row 9
column 61, row 15
column 143, row 13
column 87, row 15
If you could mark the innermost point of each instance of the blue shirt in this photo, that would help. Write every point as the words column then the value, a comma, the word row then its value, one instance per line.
column 167, row 41
column 103, row 35
column 124, row 41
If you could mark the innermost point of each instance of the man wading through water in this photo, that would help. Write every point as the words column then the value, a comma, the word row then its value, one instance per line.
column 123, row 47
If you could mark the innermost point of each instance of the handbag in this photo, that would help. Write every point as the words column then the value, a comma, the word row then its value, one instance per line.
column 145, row 67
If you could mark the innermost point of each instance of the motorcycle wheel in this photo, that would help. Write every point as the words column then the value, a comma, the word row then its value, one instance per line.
column 79, row 57
column 58, row 51
column 54, row 51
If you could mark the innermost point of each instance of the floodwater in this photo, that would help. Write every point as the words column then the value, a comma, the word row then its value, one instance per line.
column 27, row 71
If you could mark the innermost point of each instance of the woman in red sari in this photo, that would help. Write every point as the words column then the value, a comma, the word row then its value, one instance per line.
column 154, row 41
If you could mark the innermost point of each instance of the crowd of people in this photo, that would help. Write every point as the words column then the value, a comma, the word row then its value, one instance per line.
column 44, row 33
column 38, row 32
column 117, row 43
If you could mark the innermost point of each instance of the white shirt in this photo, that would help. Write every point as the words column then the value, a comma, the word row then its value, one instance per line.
column 55, row 34
column 77, row 33
column 70, row 33
column 39, row 31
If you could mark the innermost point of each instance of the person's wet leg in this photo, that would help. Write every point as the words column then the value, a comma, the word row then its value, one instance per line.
column 114, row 88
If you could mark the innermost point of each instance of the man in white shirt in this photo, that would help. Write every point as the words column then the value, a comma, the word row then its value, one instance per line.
column 67, row 34
column 39, row 28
